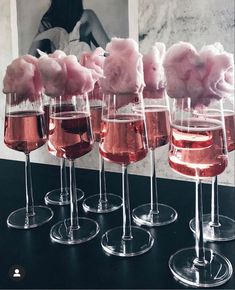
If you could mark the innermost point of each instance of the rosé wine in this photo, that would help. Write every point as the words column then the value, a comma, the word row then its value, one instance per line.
column 70, row 134
column 229, row 119
column 46, row 109
column 25, row 131
column 64, row 108
column 96, row 113
column 157, row 123
column 123, row 139
column 197, row 148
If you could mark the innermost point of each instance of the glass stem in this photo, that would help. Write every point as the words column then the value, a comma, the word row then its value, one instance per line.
column 102, row 181
column 127, row 235
column 63, row 180
column 153, row 184
column 199, row 243
column 73, row 198
column 28, row 187
column 214, row 203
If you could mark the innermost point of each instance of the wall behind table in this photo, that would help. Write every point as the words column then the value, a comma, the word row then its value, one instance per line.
column 152, row 27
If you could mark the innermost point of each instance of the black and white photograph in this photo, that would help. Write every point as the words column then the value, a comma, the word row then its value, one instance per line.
column 73, row 26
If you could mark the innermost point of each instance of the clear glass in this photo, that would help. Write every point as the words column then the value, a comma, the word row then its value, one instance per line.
column 102, row 202
column 218, row 227
column 70, row 137
column 58, row 196
column 198, row 150
column 123, row 141
column 157, row 124
column 25, row 132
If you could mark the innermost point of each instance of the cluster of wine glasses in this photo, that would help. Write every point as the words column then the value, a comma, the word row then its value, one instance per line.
column 126, row 127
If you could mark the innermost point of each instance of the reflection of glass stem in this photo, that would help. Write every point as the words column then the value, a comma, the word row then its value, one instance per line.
column 63, row 180
column 102, row 183
column 153, row 184
column 200, row 260
column 214, row 203
column 126, row 214
column 28, row 188
column 73, row 198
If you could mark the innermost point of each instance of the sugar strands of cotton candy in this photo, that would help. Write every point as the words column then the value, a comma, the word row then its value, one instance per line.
column 201, row 76
column 22, row 78
column 123, row 67
column 63, row 75
column 154, row 76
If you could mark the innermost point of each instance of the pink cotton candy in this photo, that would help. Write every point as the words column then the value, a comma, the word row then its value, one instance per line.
column 94, row 61
column 218, row 70
column 79, row 78
column 58, row 54
column 202, row 76
column 154, row 75
column 22, row 78
column 123, row 67
column 63, row 75
column 53, row 73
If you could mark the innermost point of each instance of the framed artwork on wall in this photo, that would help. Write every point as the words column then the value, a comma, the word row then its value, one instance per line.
column 73, row 26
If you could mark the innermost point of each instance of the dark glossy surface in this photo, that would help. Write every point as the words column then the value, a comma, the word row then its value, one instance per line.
column 86, row 266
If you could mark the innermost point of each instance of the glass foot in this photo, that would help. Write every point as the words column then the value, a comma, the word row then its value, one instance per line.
column 55, row 197
column 19, row 220
column 224, row 232
column 113, row 244
column 93, row 204
column 216, row 272
column 61, row 232
column 142, row 215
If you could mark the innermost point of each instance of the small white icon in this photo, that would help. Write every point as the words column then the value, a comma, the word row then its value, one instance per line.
column 17, row 273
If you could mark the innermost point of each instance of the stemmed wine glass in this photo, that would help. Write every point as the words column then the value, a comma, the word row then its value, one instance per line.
column 103, row 202
column 123, row 141
column 217, row 227
column 58, row 196
column 70, row 137
column 25, row 132
column 198, row 149
column 157, row 124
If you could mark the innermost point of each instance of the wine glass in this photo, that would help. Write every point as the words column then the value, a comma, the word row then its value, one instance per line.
column 217, row 227
column 103, row 202
column 123, row 141
column 157, row 124
column 198, row 150
column 25, row 132
column 70, row 137
column 58, row 196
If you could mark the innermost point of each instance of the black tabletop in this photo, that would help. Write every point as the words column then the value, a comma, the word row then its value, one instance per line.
column 52, row 266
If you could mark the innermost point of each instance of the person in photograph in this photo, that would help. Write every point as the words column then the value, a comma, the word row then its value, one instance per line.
column 68, row 26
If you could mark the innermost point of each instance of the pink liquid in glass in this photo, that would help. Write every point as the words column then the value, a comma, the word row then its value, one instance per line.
column 123, row 139
column 96, row 113
column 197, row 148
column 46, row 111
column 24, row 131
column 157, row 123
column 229, row 119
column 70, row 134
